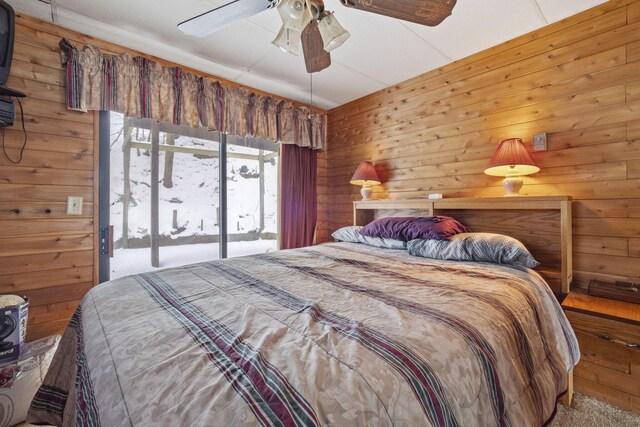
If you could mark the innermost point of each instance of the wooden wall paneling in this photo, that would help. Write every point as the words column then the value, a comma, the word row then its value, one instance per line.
column 544, row 40
column 522, row 63
column 577, row 79
column 45, row 254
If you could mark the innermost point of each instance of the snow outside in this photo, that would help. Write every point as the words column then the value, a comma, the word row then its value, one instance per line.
column 194, row 197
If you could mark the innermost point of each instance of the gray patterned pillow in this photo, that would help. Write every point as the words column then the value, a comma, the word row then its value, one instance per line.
column 477, row 247
column 352, row 234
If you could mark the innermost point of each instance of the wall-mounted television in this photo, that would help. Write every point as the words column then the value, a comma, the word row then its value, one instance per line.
column 7, row 27
column 7, row 22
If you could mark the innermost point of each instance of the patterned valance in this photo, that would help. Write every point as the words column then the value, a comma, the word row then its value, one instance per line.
column 139, row 87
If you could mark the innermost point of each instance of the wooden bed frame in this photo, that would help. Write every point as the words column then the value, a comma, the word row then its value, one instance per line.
column 541, row 223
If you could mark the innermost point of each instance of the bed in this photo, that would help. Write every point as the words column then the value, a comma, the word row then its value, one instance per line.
column 335, row 334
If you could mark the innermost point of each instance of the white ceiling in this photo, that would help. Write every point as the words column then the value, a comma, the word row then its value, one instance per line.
column 380, row 53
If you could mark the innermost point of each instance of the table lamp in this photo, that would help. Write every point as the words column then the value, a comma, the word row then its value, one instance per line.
column 511, row 160
column 366, row 176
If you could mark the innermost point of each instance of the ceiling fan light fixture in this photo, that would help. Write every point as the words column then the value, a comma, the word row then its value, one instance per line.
column 288, row 40
column 333, row 34
column 295, row 14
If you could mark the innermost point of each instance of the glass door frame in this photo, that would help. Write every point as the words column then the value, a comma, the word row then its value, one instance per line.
column 105, row 232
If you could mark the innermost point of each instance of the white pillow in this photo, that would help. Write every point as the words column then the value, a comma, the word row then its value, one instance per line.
column 476, row 247
column 352, row 234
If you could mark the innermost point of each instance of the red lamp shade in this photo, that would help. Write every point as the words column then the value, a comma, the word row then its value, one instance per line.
column 365, row 175
column 511, row 159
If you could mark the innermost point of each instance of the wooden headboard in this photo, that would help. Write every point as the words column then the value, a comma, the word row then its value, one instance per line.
column 542, row 224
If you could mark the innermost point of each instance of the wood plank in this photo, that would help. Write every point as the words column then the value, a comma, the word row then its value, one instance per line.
column 54, row 126
column 633, row 91
column 607, row 377
column 616, row 246
column 52, row 312
column 37, row 90
column 19, row 193
column 37, row 54
column 39, row 210
column 633, row 13
column 57, row 294
column 56, row 110
column 604, row 306
column 48, row 143
column 51, row 227
column 29, row 71
column 50, row 261
column 605, row 394
column 633, row 169
column 606, row 264
column 15, row 246
column 602, row 208
column 45, row 176
column 602, row 353
column 42, row 330
column 608, row 227
column 634, row 248
column 21, row 282
column 633, row 129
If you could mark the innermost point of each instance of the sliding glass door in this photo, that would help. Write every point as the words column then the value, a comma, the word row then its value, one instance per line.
column 252, row 196
column 179, row 195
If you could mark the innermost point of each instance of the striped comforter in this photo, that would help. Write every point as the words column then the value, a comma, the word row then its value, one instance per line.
column 337, row 334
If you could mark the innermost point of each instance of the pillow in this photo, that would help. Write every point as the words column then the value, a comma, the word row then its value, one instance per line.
column 477, row 247
column 410, row 228
column 352, row 234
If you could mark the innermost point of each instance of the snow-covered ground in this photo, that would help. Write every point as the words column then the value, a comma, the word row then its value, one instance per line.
column 132, row 261
column 194, row 196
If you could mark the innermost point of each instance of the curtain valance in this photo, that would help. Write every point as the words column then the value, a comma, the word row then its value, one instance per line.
column 139, row 87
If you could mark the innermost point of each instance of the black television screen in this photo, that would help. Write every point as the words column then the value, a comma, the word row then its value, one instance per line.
column 6, row 40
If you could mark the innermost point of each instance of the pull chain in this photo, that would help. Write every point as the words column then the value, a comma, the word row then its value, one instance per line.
column 311, row 96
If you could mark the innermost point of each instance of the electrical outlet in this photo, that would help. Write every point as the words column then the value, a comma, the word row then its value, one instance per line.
column 540, row 142
column 74, row 205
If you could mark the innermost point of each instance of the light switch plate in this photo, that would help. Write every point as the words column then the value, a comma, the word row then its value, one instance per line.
column 74, row 205
column 540, row 142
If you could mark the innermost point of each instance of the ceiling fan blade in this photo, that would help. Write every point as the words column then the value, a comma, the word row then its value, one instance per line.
column 425, row 12
column 218, row 18
column 315, row 57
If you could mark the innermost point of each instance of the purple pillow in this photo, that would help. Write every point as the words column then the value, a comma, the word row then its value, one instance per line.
column 410, row 228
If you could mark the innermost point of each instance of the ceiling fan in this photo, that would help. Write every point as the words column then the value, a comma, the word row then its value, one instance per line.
column 308, row 22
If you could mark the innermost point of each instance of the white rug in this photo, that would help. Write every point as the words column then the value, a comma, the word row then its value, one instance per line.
column 586, row 411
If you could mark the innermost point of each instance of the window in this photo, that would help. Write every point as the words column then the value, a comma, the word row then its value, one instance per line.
column 177, row 218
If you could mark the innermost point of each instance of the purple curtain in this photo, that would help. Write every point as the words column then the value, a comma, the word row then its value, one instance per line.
column 298, row 197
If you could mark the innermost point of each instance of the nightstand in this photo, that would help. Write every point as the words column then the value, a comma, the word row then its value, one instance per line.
column 609, row 335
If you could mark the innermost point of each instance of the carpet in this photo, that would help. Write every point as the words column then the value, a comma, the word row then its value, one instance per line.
column 586, row 411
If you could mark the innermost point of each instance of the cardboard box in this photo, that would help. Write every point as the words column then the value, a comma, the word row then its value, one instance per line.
column 13, row 330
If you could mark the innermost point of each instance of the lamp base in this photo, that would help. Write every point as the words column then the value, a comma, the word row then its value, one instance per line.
column 366, row 192
column 512, row 185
